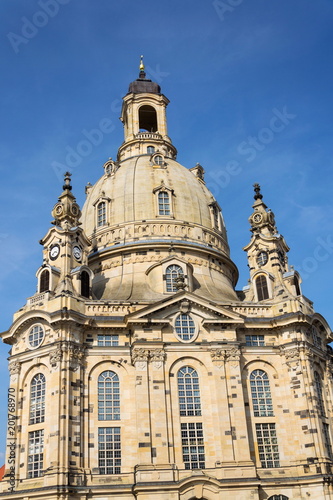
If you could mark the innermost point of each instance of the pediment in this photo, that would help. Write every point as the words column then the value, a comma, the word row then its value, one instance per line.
column 185, row 302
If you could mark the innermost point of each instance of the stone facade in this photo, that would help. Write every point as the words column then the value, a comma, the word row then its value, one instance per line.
column 138, row 372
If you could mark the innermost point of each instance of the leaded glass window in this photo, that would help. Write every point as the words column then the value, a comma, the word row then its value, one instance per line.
column 37, row 399
column 171, row 274
column 188, row 392
column 108, row 396
column 261, row 394
column 185, row 327
column 267, row 445
column 109, row 450
column 193, row 445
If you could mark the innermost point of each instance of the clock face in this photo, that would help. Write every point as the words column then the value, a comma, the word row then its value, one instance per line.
column 257, row 218
column 54, row 251
column 262, row 258
column 77, row 252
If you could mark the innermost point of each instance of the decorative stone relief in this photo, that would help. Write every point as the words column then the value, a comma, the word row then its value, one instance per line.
column 233, row 356
column 14, row 368
column 55, row 356
column 292, row 357
column 218, row 357
column 157, row 357
column 140, row 358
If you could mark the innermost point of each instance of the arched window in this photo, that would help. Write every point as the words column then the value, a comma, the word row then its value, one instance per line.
column 296, row 285
column 185, row 327
column 278, row 497
column 163, row 203
column 262, row 289
column 37, row 399
column 85, row 282
column 147, row 119
column 108, row 396
column 44, row 281
column 319, row 392
column 188, row 392
column 172, row 272
column 101, row 214
column 261, row 394
column 150, row 150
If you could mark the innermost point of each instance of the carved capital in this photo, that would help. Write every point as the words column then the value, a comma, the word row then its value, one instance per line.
column 55, row 356
column 140, row 358
column 14, row 368
column 157, row 357
column 218, row 356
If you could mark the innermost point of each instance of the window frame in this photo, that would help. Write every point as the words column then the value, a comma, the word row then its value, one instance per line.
column 251, row 342
column 170, row 276
column 261, row 398
column 108, row 396
column 39, row 399
column 180, row 335
column 102, row 341
column 189, row 398
column 265, row 449
column 35, row 340
column 35, row 443
column 110, row 450
column 262, row 290
column 193, row 445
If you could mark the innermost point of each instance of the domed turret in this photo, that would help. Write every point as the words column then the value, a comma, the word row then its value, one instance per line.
column 147, row 210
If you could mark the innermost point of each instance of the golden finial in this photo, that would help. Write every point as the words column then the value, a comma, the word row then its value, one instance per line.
column 142, row 66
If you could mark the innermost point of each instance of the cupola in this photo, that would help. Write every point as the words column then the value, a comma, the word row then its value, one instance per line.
column 143, row 115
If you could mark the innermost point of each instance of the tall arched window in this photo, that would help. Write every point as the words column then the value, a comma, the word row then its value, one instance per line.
column 44, row 281
column 278, row 497
column 101, row 214
column 85, row 282
column 108, row 396
column 172, row 272
column 147, row 119
column 37, row 399
column 319, row 392
column 261, row 394
column 188, row 392
column 262, row 289
column 163, row 203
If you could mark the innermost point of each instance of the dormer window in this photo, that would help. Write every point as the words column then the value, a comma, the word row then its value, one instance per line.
column 150, row 150
column 163, row 203
column 215, row 213
column 158, row 160
column 101, row 214
column 171, row 274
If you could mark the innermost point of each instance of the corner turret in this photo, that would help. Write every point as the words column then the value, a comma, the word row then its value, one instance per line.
column 271, row 277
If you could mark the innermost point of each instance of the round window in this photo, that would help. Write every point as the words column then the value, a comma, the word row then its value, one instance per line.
column 36, row 336
column 185, row 327
column 262, row 258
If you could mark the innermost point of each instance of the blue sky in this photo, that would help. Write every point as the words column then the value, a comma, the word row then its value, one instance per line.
column 228, row 67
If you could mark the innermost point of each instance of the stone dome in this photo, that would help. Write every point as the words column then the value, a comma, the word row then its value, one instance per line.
column 131, row 191
column 148, row 212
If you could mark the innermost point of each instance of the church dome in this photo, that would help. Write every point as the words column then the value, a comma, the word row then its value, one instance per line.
column 149, row 210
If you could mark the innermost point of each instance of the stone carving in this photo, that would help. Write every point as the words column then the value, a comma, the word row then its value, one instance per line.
column 218, row 357
column 14, row 368
column 292, row 357
column 140, row 358
column 157, row 357
column 55, row 356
